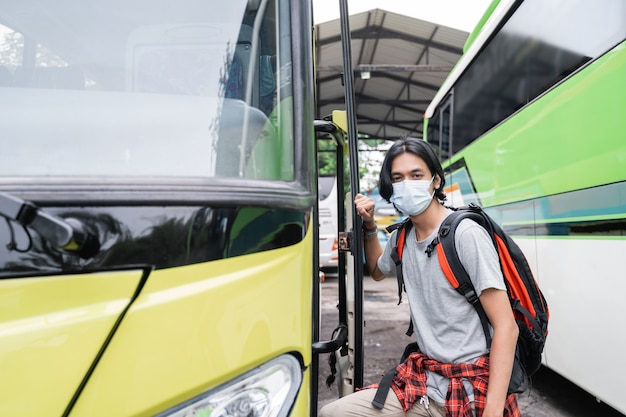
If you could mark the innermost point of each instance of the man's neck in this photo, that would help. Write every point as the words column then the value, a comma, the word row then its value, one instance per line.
column 426, row 222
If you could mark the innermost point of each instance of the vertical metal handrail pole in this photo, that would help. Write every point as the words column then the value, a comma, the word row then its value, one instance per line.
column 357, row 244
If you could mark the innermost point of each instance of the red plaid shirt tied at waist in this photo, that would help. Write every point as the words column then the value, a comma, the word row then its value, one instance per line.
column 410, row 385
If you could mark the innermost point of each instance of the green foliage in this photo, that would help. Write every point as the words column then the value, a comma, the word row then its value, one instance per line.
column 371, row 154
column 12, row 52
column 326, row 157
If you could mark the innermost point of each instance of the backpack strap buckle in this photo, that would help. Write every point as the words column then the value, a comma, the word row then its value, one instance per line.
column 431, row 246
column 468, row 291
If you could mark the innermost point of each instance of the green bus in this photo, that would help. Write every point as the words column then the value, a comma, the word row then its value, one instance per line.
column 531, row 125
column 158, row 209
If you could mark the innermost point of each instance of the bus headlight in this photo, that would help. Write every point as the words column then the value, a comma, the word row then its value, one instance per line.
column 267, row 391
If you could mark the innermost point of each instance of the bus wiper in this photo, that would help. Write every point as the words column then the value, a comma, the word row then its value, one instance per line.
column 68, row 234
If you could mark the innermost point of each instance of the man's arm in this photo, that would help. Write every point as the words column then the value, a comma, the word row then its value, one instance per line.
column 498, row 308
column 371, row 244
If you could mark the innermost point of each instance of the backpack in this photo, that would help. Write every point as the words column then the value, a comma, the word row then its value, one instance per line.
column 527, row 301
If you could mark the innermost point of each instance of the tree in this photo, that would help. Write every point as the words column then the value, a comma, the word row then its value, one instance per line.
column 371, row 155
column 12, row 50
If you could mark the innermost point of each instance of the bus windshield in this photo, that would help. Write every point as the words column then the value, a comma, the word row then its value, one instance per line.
column 95, row 88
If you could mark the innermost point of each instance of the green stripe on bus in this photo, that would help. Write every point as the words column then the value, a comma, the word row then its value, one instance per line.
column 573, row 151
column 597, row 211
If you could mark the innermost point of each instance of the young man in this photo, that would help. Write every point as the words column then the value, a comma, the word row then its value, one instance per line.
column 454, row 374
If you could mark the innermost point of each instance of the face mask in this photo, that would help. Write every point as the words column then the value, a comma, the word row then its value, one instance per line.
column 412, row 197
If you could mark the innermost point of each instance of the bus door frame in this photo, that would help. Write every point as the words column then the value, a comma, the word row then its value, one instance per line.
column 347, row 342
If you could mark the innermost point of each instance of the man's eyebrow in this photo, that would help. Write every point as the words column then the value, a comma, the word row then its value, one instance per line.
column 412, row 171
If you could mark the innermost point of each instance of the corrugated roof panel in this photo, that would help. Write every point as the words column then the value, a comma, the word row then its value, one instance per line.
column 408, row 60
column 382, row 88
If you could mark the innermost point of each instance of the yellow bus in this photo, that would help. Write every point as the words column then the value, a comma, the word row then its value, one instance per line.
column 158, row 199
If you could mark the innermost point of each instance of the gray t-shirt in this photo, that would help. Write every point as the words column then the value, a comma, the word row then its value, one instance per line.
column 447, row 327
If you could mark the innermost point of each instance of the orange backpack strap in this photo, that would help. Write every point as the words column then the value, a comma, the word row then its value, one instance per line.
column 529, row 306
column 396, row 252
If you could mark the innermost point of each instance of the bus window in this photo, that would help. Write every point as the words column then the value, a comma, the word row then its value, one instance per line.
column 148, row 96
column 445, row 132
column 523, row 61
column 432, row 134
column 439, row 133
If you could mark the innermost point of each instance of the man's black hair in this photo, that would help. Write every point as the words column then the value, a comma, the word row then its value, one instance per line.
column 418, row 148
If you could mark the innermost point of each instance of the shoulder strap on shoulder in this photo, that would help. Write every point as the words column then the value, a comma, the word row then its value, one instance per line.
column 395, row 226
column 396, row 252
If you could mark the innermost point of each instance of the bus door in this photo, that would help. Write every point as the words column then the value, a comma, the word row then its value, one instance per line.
column 352, row 243
column 347, row 344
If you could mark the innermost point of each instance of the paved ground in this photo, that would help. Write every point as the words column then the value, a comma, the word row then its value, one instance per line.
column 384, row 340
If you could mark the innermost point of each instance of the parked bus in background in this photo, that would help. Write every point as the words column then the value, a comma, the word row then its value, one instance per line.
column 158, row 193
column 328, row 223
column 531, row 125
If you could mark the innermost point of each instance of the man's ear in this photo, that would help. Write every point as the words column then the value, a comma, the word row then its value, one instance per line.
column 437, row 182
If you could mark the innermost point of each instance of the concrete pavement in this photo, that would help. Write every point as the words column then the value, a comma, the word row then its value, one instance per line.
column 384, row 340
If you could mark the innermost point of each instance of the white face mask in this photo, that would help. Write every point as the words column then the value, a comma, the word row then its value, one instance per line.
column 412, row 197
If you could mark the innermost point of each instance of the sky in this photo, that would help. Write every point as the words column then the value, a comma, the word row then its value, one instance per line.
column 459, row 14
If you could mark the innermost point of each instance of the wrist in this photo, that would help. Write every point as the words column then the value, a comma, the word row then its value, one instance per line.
column 370, row 231
column 370, row 227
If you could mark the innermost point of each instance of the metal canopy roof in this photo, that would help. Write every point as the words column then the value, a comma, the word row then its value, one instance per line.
column 407, row 60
